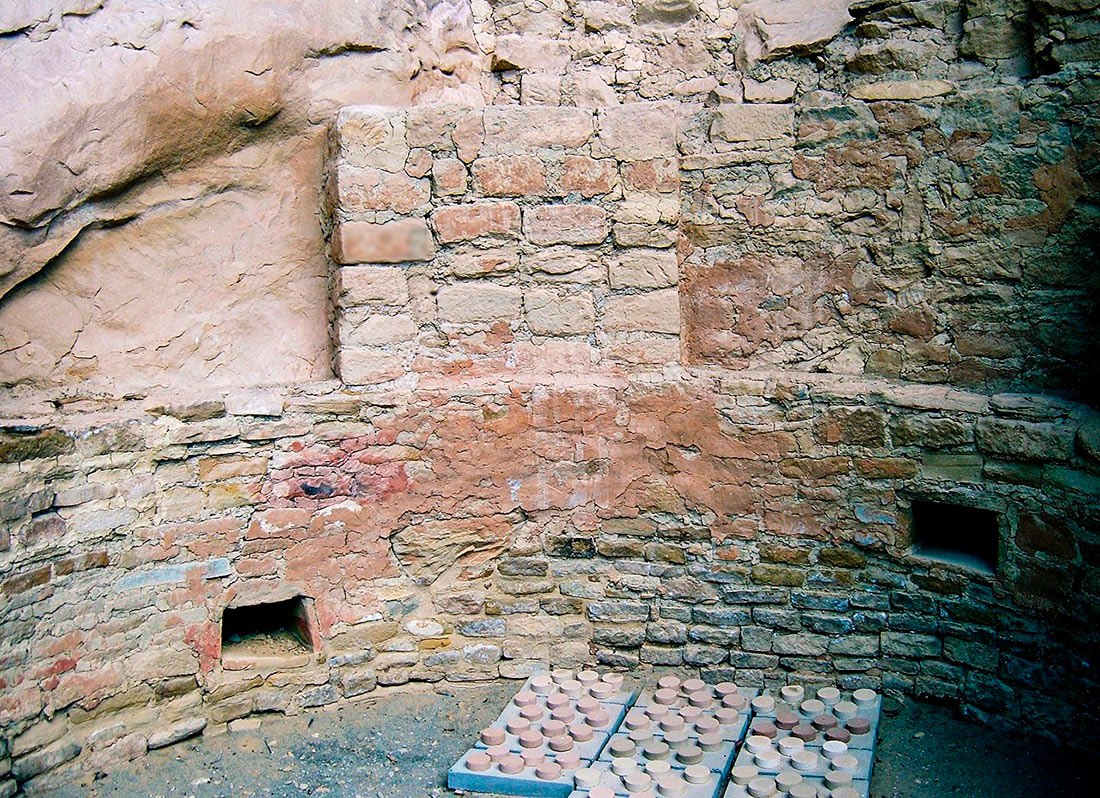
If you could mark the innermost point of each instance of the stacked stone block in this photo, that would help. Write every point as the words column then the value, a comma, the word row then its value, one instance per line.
column 506, row 234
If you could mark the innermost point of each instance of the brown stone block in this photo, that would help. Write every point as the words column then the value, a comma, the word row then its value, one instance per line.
column 778, row 575
column 886, row 467
column 1047, row 534
column 369, row 189
column 466, row 222
column 588, row 176
column 565, row 224
column 26, row 580
column 509, row 175
column 390, row 242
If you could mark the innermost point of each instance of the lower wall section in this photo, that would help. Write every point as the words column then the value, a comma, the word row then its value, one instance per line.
column 752, row 525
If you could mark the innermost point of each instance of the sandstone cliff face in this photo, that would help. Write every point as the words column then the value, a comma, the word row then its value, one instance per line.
column 159, row 170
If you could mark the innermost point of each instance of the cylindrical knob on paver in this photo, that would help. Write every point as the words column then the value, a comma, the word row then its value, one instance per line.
column 665, row 696
column 478, row 761
column 671, row 723
column 560, row 675
column 758, row 742
column 792, row 693
column 711, row 742
column 621, row 746
column 762, row 787
column 804, row 732
column 690, row 714
column 637, row 780
column 833, row 748
column 835, row 779
column 555, row 700
column 572, row 688
column 763, row 703
column 657, row 767
column 825, row 721
column 498, row 752
column 563, row 742
column 597, row 719
column 518, row 725
column 689, row 754
column 735, row 701
column 692, row 686
column 588, row 678
column 614, row 679
column 656, row 711
column 864, row 697
column 803, row 790
column 513, row 763
column 811, row 707
column 787, row 779
column 701, row 698
column 525, row 698
column 552, row 728
column 530, row 739
column 805, row 760
column 723, row 689
column 669, row 682
column 845, row 792
column 602, row 690
column 789, row 746
column 839, row 734
column 621, row 766
column 492, row 736
column 828, row 696
column 587, row 704
column 785, row 719
column 845, row 709
column 601, row 792
column 671, row 785
column 763, row 727
column 767, row 760
column 542, row 684
column 706, row 725
column 858, row 725
column 847, row 763
column 548, row 771
column 639, row 736
column 697, row 774
column 563, row 714
column 675, row 739
column 726, row 716
column 581, row 733
column 743, row 774
column 587, row 778
column 533, row 712
column 532, row 756
column 655, row 749
column 636, row 720
column 569, row 760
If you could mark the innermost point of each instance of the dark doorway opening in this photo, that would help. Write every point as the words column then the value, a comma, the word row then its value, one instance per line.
column 956, row 534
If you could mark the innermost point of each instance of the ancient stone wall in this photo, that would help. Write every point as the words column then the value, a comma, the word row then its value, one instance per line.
column 645, row 362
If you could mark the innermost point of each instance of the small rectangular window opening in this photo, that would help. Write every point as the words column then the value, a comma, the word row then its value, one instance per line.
column 274, row 629
column 956, row 534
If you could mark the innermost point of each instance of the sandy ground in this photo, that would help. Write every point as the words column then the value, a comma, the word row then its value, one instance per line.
column 400, row 746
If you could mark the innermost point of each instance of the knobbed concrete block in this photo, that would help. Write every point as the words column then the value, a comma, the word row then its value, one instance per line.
column 389, row 242
column 756, row 122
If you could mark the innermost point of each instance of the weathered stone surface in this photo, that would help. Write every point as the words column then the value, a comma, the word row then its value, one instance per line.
column 465, row 222
column 565, row 224
column 46, row 759
column 1021, row 439
column 637, row 131
column 467, row 303
column 389, row 242
column 644, row 269
column 775, row 28
column 737, row 123
column 548, row 313
column 655, row 311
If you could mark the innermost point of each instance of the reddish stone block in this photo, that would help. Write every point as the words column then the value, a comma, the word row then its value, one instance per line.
column 657, row 174
column 1047, row 534
column 370, row 189
column 465, row 222
column 391, row 242
column 565, row 224
column 588, row 176
column 449, row 176
column 26, row 580
column 510, row 175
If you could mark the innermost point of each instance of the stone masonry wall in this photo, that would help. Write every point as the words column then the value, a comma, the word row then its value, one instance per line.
column 643, row 363
column 754, row 526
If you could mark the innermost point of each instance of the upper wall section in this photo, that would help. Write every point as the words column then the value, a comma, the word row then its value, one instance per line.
column 482, row 240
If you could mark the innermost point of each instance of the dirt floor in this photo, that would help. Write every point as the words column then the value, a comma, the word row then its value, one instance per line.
column 400, row 746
